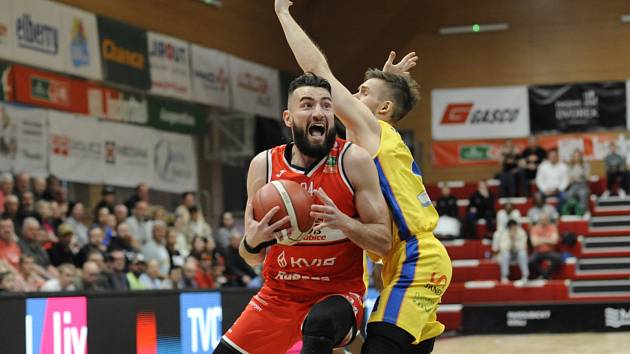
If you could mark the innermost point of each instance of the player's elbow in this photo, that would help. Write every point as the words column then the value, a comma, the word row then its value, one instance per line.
column 385, row 245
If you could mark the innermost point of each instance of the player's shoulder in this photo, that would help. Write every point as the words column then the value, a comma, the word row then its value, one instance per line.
column 356, row 155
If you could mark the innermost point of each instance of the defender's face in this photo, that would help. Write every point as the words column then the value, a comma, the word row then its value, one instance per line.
column 371, row 94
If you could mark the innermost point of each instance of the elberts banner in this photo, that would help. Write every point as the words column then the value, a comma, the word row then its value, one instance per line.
column 210, row 76
column 36, row 29
column 41, row 88
column 76, row 148
column 578, row 107
column 170, row 66
column 174, row 163
column 116, row 105
column 124, row 54
column 177, row 116
column 128, row 159
column 485, row 113
column 255, row 88
column 7, row 37
column 79, row 41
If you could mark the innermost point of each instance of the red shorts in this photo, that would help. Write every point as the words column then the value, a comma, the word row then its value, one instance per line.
column 271, row 325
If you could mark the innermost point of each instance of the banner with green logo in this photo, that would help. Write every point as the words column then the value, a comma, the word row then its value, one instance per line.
column 124, row 54
column 177, row 116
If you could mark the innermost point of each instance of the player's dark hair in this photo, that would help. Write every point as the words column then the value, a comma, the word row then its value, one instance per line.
column 403, row 91
column 309, row 79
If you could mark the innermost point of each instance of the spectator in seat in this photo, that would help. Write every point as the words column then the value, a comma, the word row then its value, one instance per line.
column 52, row 185
column 43, row 214
column 188, row 201
column 142, row 194
column 237, row 270
column 197, row 226
column 91, row 278
column 615, row 170
column 65, row 250
column 139, row 225
column 189, row 273
column 446, row 205
column 226, row 227
column 123, row 240
column 578, row 191
column 22, row 184
column 175, row 279
column 27, row 279
column 65, row 280
column 544, row 237
column 511, row 243
column 117, row 279
column 96, row 236
column 108, row 200
column 6, row 188
column 512, row 176
column 480, row 206
column 507, row 213
column 39, row 188
column 540, row 207
column 155, row 248
column 198, row 247
column 137, row 268
column 7, row 282
column 176, row 258
column 205, row 277
column 11, row 209
column 9, row 249
column 152, row 278
column 103, row 221
column 533, row 155
column 31, row 246
column 552, row 178
column 121, row 213
column 75, row 220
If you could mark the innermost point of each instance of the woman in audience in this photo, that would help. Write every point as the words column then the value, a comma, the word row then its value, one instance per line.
column 578, row 191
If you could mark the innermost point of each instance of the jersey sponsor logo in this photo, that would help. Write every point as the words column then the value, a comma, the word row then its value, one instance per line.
column 312, row 263
column 460, row 113
column 323, row 235
column 282, row 260
column 296, row 276
column 279, row 174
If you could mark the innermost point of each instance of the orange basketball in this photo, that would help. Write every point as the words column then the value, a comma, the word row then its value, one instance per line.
column 293, row 201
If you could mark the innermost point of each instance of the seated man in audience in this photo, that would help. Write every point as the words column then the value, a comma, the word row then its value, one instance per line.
column 237, row 270
column 552, row 177
column 480, row 206
column 136, row 269
column 66, row 249
column 65, row 280
column 9, row 249
column 90, row 279
column 175, row 279
column 540, row 207
column 27, row 278
column 448, row 226
column 205, row 277
column 123, row 240
column 118, row 277
column 509, row 243
column 152, row 279
column 30, row 245
column 95, row 237
column 446, row 205
column 615, row 171
column 533, row 155
column 7, row 282
column 155, row 248
column 189, row 273
column 11, row 209
column 139, row 223
column 507, row 213
column 544, row 237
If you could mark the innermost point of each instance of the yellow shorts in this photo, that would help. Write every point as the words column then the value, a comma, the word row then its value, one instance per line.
column 416, row 273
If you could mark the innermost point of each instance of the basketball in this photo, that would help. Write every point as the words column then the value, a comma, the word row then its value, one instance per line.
column 293, row 201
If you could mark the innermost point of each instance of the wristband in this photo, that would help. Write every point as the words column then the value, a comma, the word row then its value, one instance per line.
column 257, row 249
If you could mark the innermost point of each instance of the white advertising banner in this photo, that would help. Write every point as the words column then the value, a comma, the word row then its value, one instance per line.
column 210, row 76
column 128, row 158
column 170, row 65
column 31, row 153
column 36, row 28
column 480, row 113
column 7, row 37
column 255, row 88
column 8, row 139
column 175, row 163
column 79, row 41
column 76, row 148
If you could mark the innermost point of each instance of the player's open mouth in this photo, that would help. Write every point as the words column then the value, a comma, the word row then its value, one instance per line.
column 317, row 130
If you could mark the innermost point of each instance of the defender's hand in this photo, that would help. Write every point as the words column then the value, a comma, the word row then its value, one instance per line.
column 403, row 66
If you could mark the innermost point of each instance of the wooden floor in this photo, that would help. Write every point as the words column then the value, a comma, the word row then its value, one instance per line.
column 574, row 343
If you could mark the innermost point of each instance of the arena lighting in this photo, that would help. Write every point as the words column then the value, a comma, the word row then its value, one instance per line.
column 475, row 28
column 625, row 18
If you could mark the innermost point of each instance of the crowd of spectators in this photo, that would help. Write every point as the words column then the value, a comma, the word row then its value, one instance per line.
column 49, row 243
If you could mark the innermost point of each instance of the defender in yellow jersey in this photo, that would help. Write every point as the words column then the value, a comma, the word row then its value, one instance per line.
column 417, row 270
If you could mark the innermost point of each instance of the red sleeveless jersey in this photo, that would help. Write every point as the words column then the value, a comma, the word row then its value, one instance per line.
column 323, row 262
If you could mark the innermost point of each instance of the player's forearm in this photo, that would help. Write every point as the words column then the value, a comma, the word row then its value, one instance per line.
column 306, row 53
column 253, row 259
column 375, row 238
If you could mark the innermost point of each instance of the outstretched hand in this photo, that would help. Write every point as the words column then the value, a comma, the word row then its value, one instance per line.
column 403, row 66
column 282, row 6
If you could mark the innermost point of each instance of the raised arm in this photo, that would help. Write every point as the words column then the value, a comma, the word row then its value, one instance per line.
column 361, row 124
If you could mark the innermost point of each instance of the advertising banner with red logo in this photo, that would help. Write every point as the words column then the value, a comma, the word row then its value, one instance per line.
column 36, row 34
column 488, row 152
column 210, row 76
column 255, row 88
column 7, row 37
column 116, row 105
column 41, row 88
column 169, row 60
column 128, row 160
column 76, row 148
column 480, row 113
column 6, row 82
column 79, row 41
column 30, row 142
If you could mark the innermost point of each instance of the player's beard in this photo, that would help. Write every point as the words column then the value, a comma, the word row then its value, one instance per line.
column 300, row 136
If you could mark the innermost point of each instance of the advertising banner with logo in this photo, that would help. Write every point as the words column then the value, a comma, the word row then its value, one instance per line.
column 128, row 158
column 8, row 139
column 6, row 82
column 76, row 148
column 124, row 54
column 177, row 116
column 56, row 325
column 31, row 139
column 36, row 28
column 200, row 319
column 79, row 41
column 255, row 88
column 116, row 105
column 578, row 107
column 488, row 152
column 41, row 88
column 479, row 113
column 7, row 37
column 174, row 163
column 210, row 76
column 170, row 66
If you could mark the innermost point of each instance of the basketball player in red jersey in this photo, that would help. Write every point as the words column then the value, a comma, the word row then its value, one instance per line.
column 313, row 290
